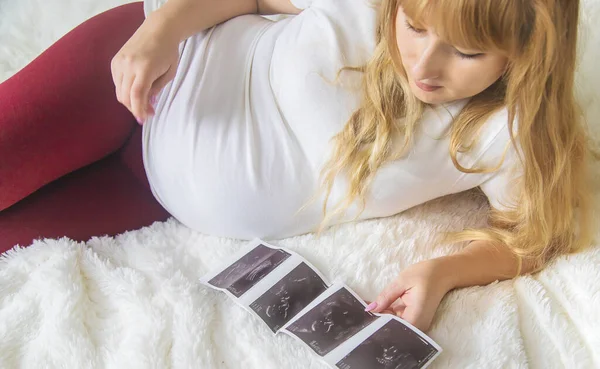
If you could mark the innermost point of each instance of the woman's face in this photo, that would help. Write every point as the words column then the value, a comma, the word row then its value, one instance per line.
column 439, row 72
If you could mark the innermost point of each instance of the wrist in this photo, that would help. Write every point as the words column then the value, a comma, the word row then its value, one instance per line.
column 446, row 271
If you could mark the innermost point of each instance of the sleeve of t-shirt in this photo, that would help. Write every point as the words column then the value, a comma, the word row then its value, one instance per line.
column 301, row 4
column 502, row 185
column 501, row 188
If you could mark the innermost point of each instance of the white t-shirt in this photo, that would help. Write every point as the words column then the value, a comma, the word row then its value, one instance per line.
column 242, row 131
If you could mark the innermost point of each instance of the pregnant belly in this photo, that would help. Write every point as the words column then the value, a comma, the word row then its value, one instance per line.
column 229, row 185
column 218, row 155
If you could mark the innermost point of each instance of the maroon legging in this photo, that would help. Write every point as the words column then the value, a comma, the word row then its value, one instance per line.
column 70, row 153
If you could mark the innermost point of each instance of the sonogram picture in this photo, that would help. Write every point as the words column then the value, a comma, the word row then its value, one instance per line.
column 291, row 296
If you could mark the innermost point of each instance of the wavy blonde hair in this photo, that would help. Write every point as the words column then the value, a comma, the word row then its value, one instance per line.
column 539, row 37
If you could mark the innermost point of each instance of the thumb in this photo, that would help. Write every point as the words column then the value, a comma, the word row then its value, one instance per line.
column 165, row 78
column 390, row 294
column 161, row 82
column 412, row 314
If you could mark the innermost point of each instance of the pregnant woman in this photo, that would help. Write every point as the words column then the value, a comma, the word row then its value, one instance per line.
column 349, row 110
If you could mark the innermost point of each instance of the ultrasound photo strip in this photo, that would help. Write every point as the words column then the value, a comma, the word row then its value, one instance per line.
column 290, row 295
column 336, row 327
column 392, row 345
column 286, row 298
column 270, row 282
column 246, row 268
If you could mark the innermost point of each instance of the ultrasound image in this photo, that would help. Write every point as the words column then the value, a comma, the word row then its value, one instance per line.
column 242, row 275
column 289, row 296
column 393, row 346
column 330, row 323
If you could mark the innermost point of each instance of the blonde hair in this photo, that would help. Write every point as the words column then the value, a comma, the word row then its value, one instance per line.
column 539, row 37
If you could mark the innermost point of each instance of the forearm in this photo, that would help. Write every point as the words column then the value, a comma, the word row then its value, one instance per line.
column 481, row 263
column 184, row 18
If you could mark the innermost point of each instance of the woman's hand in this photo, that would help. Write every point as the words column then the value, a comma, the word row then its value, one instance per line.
column 416, row 294
column 144, row 65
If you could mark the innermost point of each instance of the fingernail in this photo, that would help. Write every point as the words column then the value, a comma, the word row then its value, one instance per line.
column 139, row 121
column 371, row 306
column 153, row 100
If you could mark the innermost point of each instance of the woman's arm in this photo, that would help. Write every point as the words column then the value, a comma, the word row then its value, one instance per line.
column 149, row 59
column 417, row 292
column 481, row 263
column 188, row 17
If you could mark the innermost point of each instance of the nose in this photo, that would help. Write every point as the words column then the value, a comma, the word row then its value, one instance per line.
column 430, row 62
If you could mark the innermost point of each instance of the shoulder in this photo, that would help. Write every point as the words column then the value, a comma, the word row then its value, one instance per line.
column 341, row 27
column 496, row 138
column 494, row 147
column 327, row 36
column 492, row 140
column 357, row 13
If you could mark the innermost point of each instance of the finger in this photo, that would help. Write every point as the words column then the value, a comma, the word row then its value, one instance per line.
column 390, row 294
column 164, row 78
column 125, row 91
column 398, row 307
column 117, row 77
column 150, row 108
column 383, row 312
column 158, row 85
column 413, row 315
column 118, row 94
column 139, row 96
column 152, row 99
column 399, row 313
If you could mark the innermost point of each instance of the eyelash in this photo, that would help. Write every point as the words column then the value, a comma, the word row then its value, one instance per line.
column 420, row 31
column 467, row 56
column 410, row 27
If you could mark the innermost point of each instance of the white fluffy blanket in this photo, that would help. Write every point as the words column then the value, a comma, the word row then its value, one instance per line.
column 134, row 301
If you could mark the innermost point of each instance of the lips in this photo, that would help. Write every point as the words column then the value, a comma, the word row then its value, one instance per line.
column 426, row 87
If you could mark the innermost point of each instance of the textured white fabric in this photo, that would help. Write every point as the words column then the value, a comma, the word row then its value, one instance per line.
column 243, row 130
column 134, row 302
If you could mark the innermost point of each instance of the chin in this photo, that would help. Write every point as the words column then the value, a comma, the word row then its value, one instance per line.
column 428, row 97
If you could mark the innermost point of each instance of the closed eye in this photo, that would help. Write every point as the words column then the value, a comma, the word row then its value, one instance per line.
column 411, row 28
column 468, row 56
